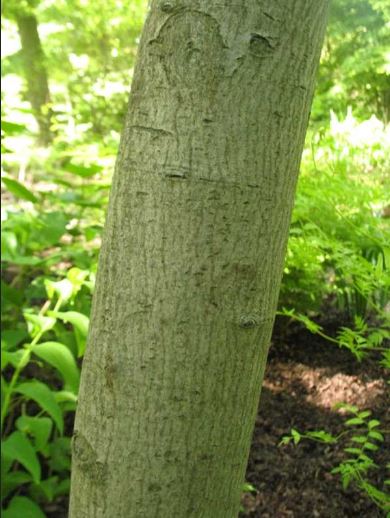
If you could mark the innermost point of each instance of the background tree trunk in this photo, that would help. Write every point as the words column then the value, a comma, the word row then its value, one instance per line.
column 35, row 72
column 192, row 257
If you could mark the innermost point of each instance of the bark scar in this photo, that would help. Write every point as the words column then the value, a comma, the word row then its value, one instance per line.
column 85, row 456
column 151, row 130
column 261, row 44
column 187, row 34
column 251, row 320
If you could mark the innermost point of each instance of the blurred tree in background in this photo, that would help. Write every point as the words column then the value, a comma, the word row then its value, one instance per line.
column 89, row 50
column 33, row 61
column 356, row 62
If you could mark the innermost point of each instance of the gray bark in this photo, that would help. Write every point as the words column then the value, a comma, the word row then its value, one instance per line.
column 192, row 257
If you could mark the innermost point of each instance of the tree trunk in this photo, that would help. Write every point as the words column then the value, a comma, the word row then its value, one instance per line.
column 35, row 73
column 192, row 257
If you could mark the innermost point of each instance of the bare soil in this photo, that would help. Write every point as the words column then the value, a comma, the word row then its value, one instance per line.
column 305, row 378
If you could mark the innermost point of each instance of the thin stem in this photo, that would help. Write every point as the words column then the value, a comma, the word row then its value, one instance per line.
column 24, row 359
column 317, row 331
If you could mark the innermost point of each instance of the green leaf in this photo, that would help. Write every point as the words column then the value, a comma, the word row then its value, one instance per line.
column 41, row 394
column 373, row 423
column 346, row 480
column 47, row 229
column 39, row 427
column 364, row 414
column 354, row 421
column 25, row 261
column 295, row 435
column 12, row 128
column 9, row 245
column 321, row 436
column 46, row 489
column 367, row 460
column 376, row 435
column 66, row 337
column 77, row 277
column 18, row 189
column 13, row 480
column 65, row 396
column 18, row 447
column 11, row 295
column 285, row 440
column 359, row 438
column 6, row 465
column 4, row 389
column 370, row 446
column 79, row 321
column 59, row 458
column 16, row 359
column 21, row 506
column 354, row 451
column 38, row 323
column 248, row 488
column 312, row 326
column 63, row 487
column 67, row 400
column 10, row 338
column 59, row 356
column 83, row 171
column 376, row 494
column 63, row 289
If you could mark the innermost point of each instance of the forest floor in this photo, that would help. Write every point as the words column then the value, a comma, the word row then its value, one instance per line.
column 305, row 378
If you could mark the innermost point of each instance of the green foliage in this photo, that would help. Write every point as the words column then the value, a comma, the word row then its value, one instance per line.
column 339, row 238
column 18, row 189
column 355, row 60
column 22, row 506
column 361, row 437
column 90, row 50
column 45, row 321
column 360, row 340
column 35, row 408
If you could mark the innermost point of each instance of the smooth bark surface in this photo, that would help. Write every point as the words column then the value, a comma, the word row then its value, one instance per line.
column 35, row 72
column 192, row 257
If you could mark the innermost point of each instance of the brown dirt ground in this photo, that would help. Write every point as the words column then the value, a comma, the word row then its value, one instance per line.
column 305, row 377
